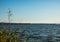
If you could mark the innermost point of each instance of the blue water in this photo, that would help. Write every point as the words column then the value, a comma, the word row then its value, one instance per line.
column 38, row 29
column 33, row 29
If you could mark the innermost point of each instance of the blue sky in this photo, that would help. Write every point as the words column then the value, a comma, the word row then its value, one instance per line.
column 30, row 11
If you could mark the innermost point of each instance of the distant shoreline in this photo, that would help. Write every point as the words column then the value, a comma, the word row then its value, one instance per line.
column 29, row 23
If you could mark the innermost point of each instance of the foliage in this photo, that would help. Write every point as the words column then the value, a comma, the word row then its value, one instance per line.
column 6, row 36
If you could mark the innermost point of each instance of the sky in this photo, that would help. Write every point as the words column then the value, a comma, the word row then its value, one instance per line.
column 30, row 11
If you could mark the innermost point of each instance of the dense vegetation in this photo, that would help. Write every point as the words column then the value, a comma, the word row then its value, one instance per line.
column 6, row 36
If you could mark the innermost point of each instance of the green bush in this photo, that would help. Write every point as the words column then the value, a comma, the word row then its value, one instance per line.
column 6, row 36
